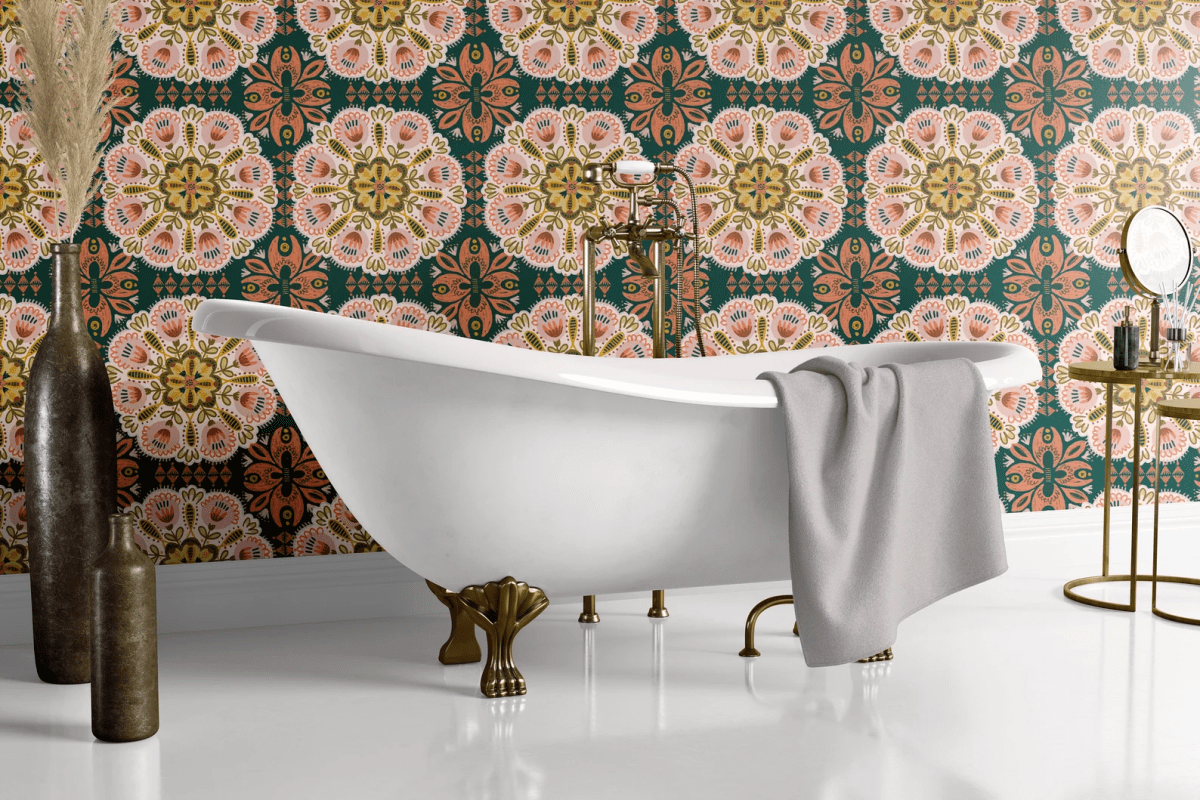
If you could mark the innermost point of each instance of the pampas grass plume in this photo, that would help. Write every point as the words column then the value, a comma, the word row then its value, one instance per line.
column 65, row 97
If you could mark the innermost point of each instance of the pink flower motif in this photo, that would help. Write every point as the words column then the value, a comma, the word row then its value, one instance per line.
column 955, row 40
column 956, row 319
column 571, row 39
column 554, row 325
column 30, row 215
column 1084, row 401
column 377, row 189
column 761, row 324
column 185, row 395
column 763, row 40
column 333, row 530
column 950, row 190
column 21, row 330
column 768, row 190
column 187, row 190
column 1138, row 40
column 385, row 309
column 382, row 41
column 536, row 200
column 1122, row 161
column 192, row 525
column 191, row 40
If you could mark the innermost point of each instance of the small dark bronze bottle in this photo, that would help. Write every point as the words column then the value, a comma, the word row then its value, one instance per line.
column 124, row 639
column 1125, row 344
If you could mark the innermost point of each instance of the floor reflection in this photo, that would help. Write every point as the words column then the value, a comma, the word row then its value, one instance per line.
column 484, row 748
column 850, row 752
column 127, row 771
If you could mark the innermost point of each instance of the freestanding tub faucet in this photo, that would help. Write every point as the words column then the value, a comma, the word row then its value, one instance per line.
column 633, row 231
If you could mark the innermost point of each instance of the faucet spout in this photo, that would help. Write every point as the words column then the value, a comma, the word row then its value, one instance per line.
column 645, row 264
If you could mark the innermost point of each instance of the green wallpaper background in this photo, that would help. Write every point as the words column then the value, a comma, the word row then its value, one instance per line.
column 868, row 170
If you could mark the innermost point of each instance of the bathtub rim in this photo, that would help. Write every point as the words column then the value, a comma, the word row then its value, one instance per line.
column 670, row 380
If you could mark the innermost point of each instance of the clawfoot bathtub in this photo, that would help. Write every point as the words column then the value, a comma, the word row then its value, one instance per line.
column 470, row 461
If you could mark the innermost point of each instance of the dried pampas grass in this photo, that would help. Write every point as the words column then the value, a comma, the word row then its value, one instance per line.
column 66, row 98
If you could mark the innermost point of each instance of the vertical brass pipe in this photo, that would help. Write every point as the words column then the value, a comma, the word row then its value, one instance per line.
column 588, row 334
column 658, row 312
column 658, row 318
column 658, row 604
column 589, row 609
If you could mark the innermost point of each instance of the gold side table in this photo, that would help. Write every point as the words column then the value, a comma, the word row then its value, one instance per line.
column 1175, row 409
column 1104, row 372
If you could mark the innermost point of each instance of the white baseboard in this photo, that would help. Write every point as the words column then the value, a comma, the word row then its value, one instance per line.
column 248, row 594
column 287, row 591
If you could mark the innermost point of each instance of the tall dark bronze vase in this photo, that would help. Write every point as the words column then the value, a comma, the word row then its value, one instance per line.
column 70, row 477
column 124, row 639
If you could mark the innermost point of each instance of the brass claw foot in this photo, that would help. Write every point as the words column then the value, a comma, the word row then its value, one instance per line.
column 883, row 655
column 502, row 610
column 462, row 647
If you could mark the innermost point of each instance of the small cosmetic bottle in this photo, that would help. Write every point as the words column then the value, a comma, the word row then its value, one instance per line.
column 1125, row 344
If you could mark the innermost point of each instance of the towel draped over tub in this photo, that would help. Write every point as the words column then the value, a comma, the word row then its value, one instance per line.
column 893, row 501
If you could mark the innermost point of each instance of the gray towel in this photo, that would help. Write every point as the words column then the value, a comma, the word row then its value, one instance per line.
column 893, row 500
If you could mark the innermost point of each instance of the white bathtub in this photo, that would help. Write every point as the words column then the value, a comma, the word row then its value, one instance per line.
column 470, row 461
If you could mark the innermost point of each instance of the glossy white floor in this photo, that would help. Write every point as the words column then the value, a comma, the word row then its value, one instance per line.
column 1004, row 691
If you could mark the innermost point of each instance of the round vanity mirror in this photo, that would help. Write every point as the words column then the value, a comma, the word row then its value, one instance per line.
column 1156, row 251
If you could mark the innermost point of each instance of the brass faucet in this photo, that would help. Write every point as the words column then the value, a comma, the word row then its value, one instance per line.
column 633, row 232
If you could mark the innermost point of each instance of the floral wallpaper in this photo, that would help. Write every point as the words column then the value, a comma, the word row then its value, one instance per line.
column 867, row 170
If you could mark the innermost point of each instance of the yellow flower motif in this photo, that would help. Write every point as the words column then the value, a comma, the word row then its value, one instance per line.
column 572, row 15
column 761, row 187
column 14, row 188
column 567, row 192
column 12, row 382
column 190, row 187
column 379, row 187
column 191, row 15
column 191, row 382
column 953, row 187
column 1142, row 183
column 380, row 14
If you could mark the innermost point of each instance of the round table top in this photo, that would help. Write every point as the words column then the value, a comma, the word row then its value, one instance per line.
column 1179, row 408
column 1105, row 372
